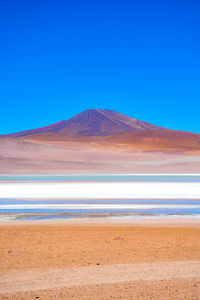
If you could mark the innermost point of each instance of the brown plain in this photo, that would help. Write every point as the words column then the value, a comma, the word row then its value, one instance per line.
column 99, row 261
column 133, row 152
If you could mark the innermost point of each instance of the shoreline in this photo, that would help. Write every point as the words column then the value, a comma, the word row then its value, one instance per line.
column 102, row 174
column 149, row 221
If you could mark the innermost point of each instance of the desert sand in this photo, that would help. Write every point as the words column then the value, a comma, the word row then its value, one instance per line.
column 100, row 260
column 49, row 155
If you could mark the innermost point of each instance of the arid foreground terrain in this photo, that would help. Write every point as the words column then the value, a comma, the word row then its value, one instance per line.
column 88, row 260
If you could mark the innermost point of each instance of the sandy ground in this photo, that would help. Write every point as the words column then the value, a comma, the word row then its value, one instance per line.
column 65, row 157
column 89, row 260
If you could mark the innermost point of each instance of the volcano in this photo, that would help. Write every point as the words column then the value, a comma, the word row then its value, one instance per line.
column 94, row 122
column 100, row 141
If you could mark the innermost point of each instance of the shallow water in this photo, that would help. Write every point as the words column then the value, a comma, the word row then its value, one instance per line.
column 103, row 178
column 68, row 208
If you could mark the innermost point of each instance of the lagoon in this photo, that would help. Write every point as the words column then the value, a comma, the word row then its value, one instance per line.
column 103, row 195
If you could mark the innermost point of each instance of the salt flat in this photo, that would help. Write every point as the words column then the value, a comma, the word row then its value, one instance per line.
column 99, row 206
column 101, row 190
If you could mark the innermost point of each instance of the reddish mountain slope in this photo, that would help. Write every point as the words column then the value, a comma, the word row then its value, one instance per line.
column 94, row 122
column 158, row 139
column 51, row 128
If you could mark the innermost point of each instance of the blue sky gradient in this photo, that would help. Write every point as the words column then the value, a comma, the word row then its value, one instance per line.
column 58, row 58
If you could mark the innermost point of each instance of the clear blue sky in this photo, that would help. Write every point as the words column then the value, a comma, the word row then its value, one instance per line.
column 141, row 58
